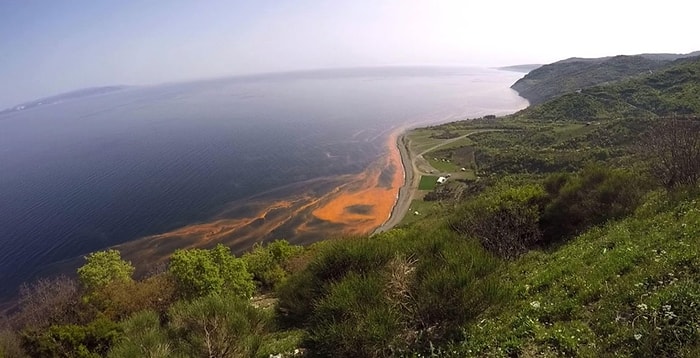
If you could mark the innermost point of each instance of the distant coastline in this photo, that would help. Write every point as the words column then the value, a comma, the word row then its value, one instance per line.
column 525, row 68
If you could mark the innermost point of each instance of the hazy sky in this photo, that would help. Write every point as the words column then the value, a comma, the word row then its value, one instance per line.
column 52, row 46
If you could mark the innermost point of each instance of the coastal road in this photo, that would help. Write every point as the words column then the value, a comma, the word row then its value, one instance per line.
column 408, row 190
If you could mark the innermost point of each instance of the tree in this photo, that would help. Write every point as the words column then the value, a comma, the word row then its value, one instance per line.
column 103, row 267
column 266, row 262
column 200, row 272
column 50, row 301
column 673, row 146
column 120, row 299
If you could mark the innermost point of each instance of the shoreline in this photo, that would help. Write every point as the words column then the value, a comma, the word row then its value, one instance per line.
column 405, row 193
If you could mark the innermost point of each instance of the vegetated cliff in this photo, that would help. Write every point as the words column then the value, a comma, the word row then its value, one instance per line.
column 558, row 78
column 672, row 90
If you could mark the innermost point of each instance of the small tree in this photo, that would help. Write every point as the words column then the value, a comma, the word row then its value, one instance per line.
column 120, row 299
column 50, row 301
column 673, row 146
column 267, row 262
column 103, row 267
column 201, row 272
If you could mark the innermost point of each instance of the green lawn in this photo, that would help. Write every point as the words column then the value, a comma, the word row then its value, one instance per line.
column 445, row 167
column 424, row 208
column 427, row 182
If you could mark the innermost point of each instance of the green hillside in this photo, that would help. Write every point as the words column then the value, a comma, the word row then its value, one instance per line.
column 576, row 234
column 671, row 91
column 567, row 76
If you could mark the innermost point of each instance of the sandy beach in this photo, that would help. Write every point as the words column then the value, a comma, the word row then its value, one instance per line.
column 406, row 191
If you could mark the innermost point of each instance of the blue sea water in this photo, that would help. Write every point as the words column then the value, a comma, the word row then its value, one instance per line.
column 90, row 173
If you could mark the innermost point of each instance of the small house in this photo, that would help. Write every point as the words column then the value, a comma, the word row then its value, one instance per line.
column 441, row 180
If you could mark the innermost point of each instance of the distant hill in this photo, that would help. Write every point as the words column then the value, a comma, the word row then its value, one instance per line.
column 67, row 96
column 558, row 78
column 672, row 90
column 525, row 68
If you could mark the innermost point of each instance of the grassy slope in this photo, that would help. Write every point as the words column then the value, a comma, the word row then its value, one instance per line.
column 670, row 91
column 628, row 288
column 553, row 80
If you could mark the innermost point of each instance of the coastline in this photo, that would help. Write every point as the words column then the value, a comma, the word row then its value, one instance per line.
column 405, row 193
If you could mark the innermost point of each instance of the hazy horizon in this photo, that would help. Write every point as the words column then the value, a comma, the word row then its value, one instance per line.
column 55, row 47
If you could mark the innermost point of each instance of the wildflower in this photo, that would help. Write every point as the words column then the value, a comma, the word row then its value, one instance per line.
column 642, row 306
column 535, row 304
column 637, row 336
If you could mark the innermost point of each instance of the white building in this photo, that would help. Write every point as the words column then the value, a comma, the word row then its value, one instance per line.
column 441, row 180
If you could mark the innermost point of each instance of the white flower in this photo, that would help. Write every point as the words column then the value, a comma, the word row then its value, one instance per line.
column 642, row 306
column 535, row 304
column 637, row 336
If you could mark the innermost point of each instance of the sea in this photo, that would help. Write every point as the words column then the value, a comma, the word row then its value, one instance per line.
column 149, row 169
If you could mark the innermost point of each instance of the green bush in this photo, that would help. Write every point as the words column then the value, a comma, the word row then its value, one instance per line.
column 593, row 196
column 355, row 320
column 267, row 262
column 90, row 341
column 144, row 337
column 218, row 326
column 200, row 272
column 393, row 294
column 504, row 219
column 331, row 263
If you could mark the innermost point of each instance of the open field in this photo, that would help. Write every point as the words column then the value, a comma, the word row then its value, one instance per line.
column 427, row 182
column 424, row 208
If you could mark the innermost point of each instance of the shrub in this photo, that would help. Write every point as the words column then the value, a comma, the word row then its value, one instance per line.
column 200, row 272
column 451, row 286
column 267, row 262
column 354, row 320
column 144, row 337
column 120, row 299
column 332, row 262
column 218, row 326
column 390, row 295
column 92, row 340
column 591, row 197
column 10, row 344
column 505, row 219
